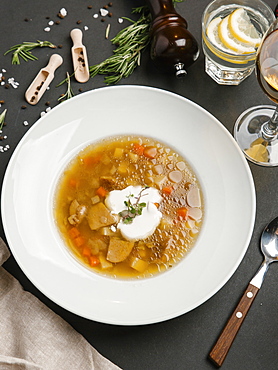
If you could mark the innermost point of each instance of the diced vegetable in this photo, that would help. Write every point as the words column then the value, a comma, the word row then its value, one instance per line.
column 118, row 153
column 138, row 264
column 139, row 149
column 95, row 199
column 79, row 241
column 182, row 212
column 123, row 167
column 158, row 169
column 195, row 213
column 150, row 152
column 193, row 197
column 167, row 190
column 101, row 192
column 73, row 233
column 175, row 176
column 94, row 261
column 133, row 157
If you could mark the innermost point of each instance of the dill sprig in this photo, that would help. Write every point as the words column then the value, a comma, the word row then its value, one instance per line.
column 24, row 50
column 130, row 42
column 69, row 93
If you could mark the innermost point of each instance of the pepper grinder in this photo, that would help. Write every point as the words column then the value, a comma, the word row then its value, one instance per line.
column 173, row 48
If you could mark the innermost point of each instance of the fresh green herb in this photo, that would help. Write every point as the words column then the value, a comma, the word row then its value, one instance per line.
column 24, row 50
column 69, row 93
column 133, row 209
column 2, row 118
column 130, row 43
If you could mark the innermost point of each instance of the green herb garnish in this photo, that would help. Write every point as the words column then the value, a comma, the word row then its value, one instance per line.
column 69, row 93
column 24, row 50
column 133, row 209
column 2, row 118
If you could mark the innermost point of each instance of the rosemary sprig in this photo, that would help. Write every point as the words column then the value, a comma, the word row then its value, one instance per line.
column 133, row 209
column 69, row 93
column 2, row 118
column 24, row 50
column 130, row 42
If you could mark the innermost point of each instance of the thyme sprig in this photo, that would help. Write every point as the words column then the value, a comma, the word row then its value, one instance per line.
column 24, row 50
column 69, row 93
column 131, row 42
column 2, row 118
column 133, row 209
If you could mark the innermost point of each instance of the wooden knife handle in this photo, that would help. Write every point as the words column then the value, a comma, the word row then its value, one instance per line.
column 226, row 338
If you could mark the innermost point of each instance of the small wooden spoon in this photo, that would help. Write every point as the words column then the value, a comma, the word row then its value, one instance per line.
column 79, row 57
column 42, row 80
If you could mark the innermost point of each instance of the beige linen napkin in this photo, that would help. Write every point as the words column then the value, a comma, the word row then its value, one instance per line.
column 33, row 337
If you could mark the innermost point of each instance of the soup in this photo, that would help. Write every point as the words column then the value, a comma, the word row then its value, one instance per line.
column 128, row 207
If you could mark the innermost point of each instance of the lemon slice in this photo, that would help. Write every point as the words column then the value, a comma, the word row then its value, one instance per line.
column 242, row 28
column 212, row 34
column 230, row 41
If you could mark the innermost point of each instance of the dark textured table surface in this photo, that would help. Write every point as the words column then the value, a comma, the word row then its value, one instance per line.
column 183, row 342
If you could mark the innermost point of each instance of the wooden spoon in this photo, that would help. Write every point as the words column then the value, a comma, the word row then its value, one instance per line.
column 42, row 80
column 79, row 57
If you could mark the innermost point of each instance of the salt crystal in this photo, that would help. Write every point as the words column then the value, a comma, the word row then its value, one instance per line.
column 43, row 113
column 3, row 70
column 2, row 83
column 103, row 12
column 48, row 109
column 25, row 123
column 47, row 29
column 63, row 12
column 95, row 15
column 86, row 28
column 50, row 23
column 120, row 20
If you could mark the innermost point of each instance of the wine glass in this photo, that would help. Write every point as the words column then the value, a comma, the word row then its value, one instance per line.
column 256, row 129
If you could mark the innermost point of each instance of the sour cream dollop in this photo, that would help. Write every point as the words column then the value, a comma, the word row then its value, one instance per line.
column 142, row 225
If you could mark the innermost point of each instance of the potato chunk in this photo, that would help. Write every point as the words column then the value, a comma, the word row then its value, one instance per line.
column 119, row 250
column 99, row 216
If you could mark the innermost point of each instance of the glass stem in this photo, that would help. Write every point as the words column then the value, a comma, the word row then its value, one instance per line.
column 270, row 128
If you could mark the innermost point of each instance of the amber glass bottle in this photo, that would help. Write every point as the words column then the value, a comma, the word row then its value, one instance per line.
column 173, row 48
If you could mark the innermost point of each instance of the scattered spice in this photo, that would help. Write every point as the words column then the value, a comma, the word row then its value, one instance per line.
column 23, row 107
column 107, row 31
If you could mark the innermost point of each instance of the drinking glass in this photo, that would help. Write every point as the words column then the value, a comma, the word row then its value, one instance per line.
column 230, row 67
column 256, row 129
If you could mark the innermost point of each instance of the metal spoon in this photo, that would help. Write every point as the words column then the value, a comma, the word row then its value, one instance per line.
column 269, row 247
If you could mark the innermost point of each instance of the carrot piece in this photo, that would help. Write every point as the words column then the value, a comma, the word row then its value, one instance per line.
column 101, row 191
column 94, row 261
column 182, row 212
column 167, row 190
column 73, row 183
column 79, row 241
column 73, row 233
column 157, row 205
column 150, row 152
column 138, row 149
column 86, row 251
column 89, row 160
